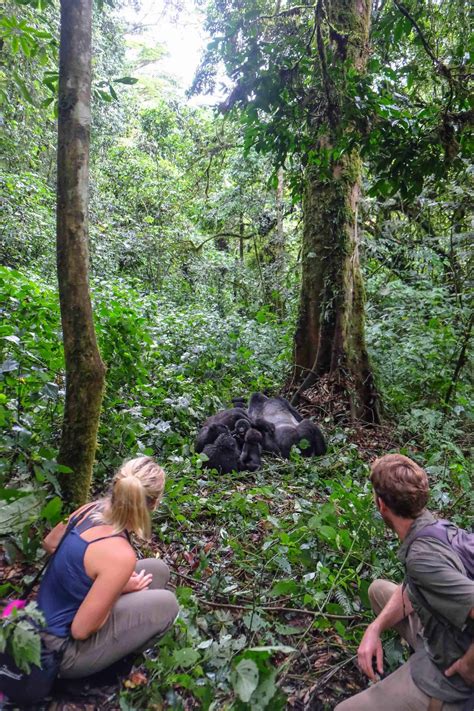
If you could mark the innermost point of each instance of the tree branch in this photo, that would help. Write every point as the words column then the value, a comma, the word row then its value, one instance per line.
column 443, row 69
column 460, row 363
column 289, row 11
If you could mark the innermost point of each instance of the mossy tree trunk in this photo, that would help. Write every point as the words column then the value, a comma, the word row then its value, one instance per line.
column 85, row 372
column 330, row 333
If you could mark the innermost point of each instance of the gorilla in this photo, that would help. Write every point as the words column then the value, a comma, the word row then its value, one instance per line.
column 208, row 435
column 223, row 454
column 317, row 444
column 251, row 457
column 273, row 409
column 267, row 429
column 240, row 429
column 240, row 402
column 289, row 426
column 220, row 423
column 227, row 417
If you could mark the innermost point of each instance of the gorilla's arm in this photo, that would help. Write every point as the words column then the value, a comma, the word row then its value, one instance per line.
column 208, row 435
column 251, row 457
column 222, row 454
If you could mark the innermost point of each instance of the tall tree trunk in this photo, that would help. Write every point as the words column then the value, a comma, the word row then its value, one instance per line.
column 241, row 236
column 276, row 250
column 330, row 333
column 85, row 372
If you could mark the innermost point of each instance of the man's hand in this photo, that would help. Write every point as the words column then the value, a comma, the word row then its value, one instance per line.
column 464, row 667
column 370, row 647
column 137, row 582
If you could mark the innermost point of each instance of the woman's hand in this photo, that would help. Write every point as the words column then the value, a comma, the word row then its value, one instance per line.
column 137, row 582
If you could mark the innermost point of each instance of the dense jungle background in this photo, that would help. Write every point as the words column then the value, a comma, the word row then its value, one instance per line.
column 221, row 240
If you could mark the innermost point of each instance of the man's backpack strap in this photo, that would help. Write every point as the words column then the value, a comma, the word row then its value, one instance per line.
column 462, row 543
column 459, row 540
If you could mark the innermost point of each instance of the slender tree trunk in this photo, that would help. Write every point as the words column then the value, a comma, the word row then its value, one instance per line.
column 276, row 249
column 85, row 372
column 241, row 236
column 330, row 333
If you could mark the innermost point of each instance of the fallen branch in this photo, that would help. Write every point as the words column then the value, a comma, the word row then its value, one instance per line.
column 294, row 610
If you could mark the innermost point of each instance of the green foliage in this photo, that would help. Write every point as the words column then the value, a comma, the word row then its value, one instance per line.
column 19, row 635
column 186, row 320
column 28, row 223
column 305, row 97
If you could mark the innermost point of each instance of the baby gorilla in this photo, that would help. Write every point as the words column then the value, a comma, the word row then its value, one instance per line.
column 251, row 457
column 267, row 430
column 208, row 435
column 240, row 430
column 223, row 454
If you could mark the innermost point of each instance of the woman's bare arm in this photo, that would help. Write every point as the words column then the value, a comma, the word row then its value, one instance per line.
column 53, row 538
column 51, row 541
column 110, row 563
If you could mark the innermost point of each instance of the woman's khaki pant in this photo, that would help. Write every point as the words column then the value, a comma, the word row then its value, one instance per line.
column 398, row 691
column 135, row 621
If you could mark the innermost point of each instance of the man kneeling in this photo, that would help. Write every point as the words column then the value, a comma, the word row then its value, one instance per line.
column 433, row 610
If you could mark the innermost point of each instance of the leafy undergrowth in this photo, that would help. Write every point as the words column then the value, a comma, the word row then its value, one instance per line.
column 272, row 571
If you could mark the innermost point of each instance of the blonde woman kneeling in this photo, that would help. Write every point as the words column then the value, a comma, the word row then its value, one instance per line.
column 94, row 592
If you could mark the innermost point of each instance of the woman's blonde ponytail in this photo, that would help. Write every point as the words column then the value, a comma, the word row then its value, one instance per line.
column 137, row 482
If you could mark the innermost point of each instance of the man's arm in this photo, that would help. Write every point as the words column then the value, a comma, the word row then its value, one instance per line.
column 397, row 608
column 465, row 665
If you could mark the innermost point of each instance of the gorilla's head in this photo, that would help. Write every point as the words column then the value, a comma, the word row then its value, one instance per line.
column 225, row 442
column 264, row 426
column 253, row 436
column 241, row 427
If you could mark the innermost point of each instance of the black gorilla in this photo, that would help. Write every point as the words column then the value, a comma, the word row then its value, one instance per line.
column 223, row 454
column 240, row 402
column 208, row 435
column 227, row 417
column 289, row 427
column 251, row 457
column 309, row 431
column 240, row 429
column 267, row 430
column 220, row 423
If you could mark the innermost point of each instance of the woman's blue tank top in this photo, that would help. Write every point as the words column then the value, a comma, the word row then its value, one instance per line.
column 66, row 583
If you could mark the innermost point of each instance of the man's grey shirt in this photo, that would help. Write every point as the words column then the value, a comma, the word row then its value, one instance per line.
column 438, row 573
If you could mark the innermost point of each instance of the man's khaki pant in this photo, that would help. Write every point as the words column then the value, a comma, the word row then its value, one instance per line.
column 136, row 620
column 397, row 692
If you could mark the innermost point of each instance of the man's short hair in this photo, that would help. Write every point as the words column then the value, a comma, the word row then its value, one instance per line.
column 401, row 484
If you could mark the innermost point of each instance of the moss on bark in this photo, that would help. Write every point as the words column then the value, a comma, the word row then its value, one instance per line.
column 330, row 331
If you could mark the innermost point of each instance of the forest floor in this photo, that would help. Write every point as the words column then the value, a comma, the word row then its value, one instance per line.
column 320, row 676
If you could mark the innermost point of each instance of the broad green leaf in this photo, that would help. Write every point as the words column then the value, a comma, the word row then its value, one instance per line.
column 245, row 679
column 126, row 80
column 14, row 516
column 26, row 646
column 186, row 657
